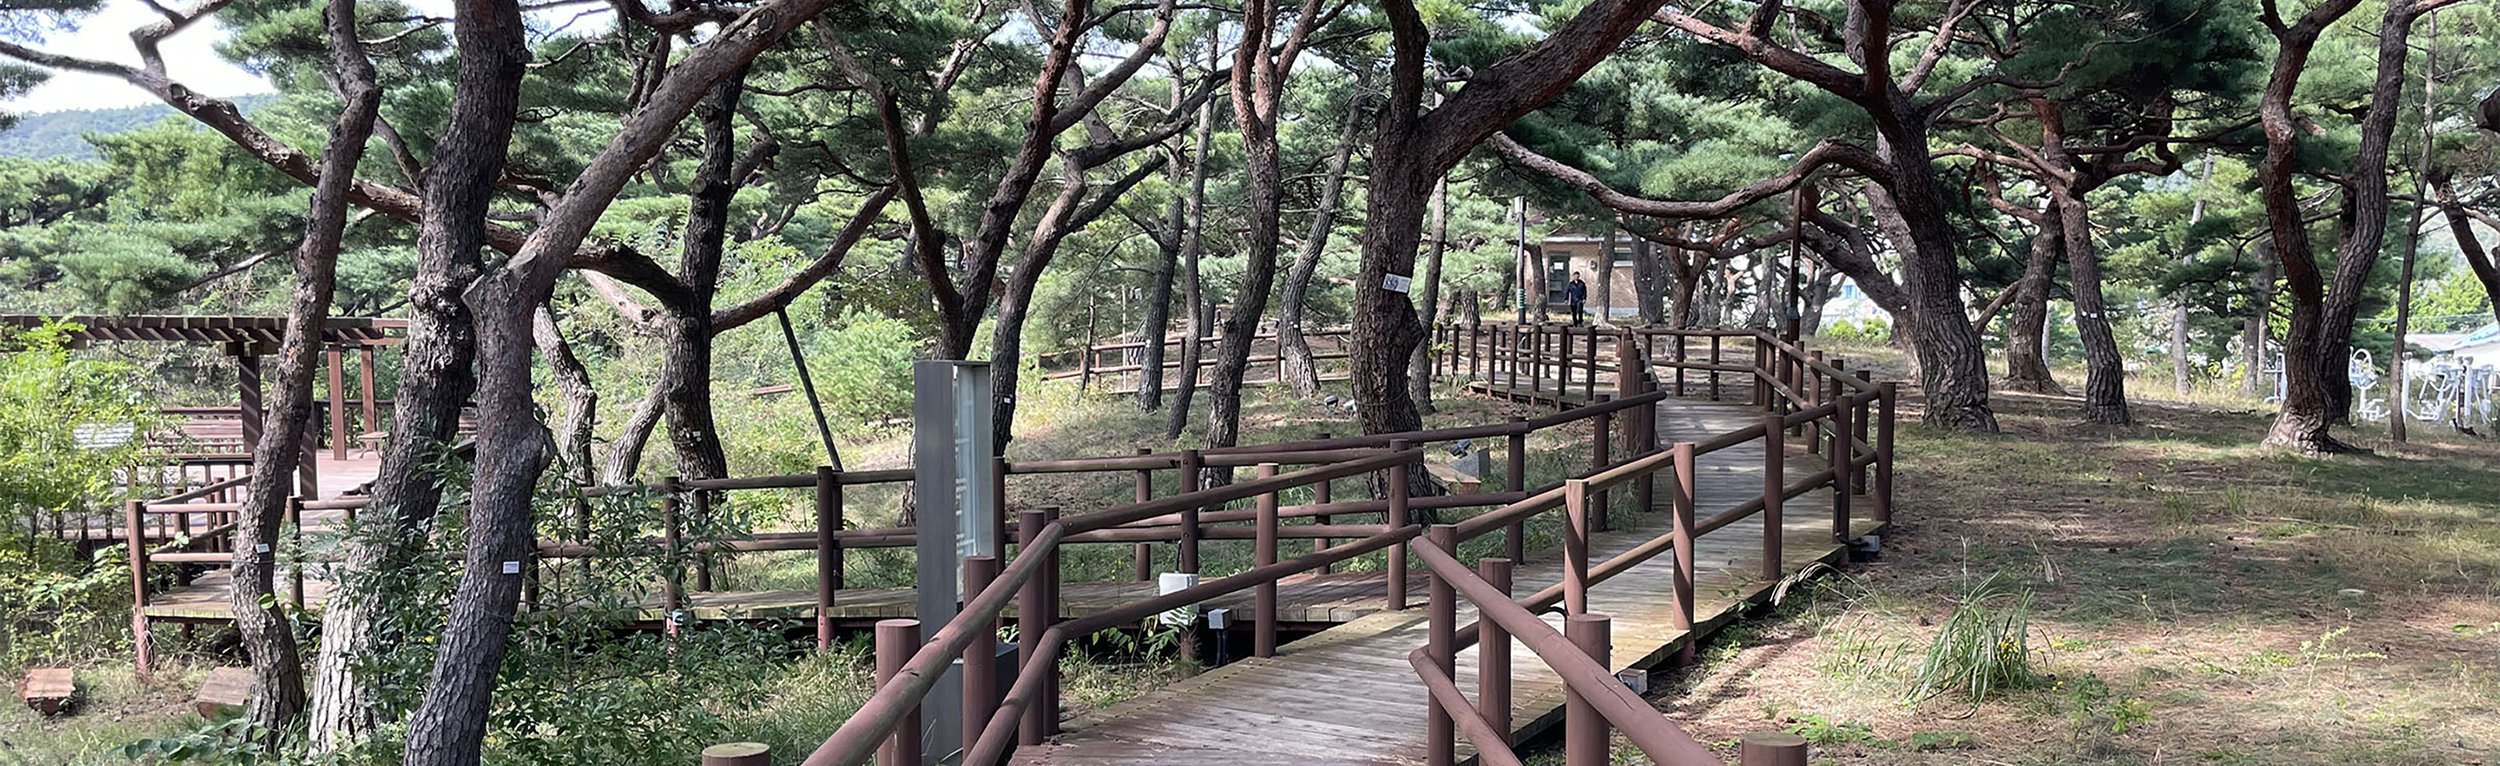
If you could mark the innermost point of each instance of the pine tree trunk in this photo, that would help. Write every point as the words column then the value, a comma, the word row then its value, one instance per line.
column 1952, row 363
column 2253, row 333
column 1300, row 370
column 435, row 379
column 1193, row 289
column 2105, row 371
column 1157, row 325
column 2026, row 352
column 277, row 700
column 1428, row 303
column 686, row 369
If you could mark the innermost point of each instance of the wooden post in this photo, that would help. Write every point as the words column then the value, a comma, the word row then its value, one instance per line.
column 1493, row 652
column 1051, row 571
column 1515, row 537
column 1761, row 372
column 1320, row 495
column 132, row 513
column 1535, row 360
column 1600, row 456
column 1585, row 741
column 1774, row 488
column 1683, row 356
column 980, row 679
column 372, row 422
column 1683, row 531
column 1440, row 644
column 738, row 754
column 1776, row 748
column 1562, row 366
column 1861, row 417
column 1263, row 635
column 1575, row 546
column 1891, row 393
column 295, row 569
column 1839, row 454
column 1145, row 552
column 703, row 529
column 897, row 640
column 1193, row 478
column 332, row 359
column 1714, row 367
column 1033, row 617
column 1588, row 388
column 1396, row 563
column 828, row 551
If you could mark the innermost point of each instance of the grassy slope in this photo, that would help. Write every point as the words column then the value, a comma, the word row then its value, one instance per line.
column 2197, row 600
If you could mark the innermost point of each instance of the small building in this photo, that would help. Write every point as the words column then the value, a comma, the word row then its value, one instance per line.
column 1563, row 253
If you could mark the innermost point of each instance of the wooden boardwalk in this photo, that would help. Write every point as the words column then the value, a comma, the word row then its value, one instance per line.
column 1348, row 696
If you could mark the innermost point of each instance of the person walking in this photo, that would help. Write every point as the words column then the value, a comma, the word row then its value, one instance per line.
column 1578, row 294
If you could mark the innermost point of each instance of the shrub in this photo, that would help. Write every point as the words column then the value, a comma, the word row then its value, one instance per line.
column 1983, row 647
column 1870, row 330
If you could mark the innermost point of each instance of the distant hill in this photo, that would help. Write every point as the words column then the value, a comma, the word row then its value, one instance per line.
column 60, row 134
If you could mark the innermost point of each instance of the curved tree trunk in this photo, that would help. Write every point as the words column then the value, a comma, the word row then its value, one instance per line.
column 277, row 698
column 2105, row 371
column 1157, row 324
column 435, row 376
column 1301, row 371
column 1428, row 303
column 1192, row 290
column 1952, row 363
column 2026, row 352
column 686, row 371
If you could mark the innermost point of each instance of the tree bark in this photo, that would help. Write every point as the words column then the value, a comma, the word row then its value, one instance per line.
column 2105, row 371
column 449, row 725
column 2304, row 418
column 277, row 699
column 2357, row 251
column 1301, row 371
column 2461, row 226
column 1428, row 303
column 686, row 327
column 2026, row 352
column 1258, row 90
column 1605, row 267
column 435, row 377
column 581, row 409
column 1192, row 289
column 1157, row 325
column 1645, row 281
column 1413, row 149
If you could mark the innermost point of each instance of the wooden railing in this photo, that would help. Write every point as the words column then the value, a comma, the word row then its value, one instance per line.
column 1117, row 366
column 1797, row 387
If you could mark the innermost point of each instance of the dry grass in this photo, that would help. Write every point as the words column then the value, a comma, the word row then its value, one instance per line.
column 2198, row 600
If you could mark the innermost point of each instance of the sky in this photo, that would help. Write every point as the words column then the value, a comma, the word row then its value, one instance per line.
column 189, row 56
column 106, row 35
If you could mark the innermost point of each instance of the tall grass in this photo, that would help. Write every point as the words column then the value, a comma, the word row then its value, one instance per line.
column 1982, row 648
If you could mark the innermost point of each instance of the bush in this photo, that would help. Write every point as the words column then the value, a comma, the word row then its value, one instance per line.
column 1870, row 330
column 1983, row 647
column 66, row 426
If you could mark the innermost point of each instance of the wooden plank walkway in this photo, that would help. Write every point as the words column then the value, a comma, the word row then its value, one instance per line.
column 1348, row 696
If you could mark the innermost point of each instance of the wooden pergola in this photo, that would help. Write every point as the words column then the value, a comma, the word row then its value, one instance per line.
column 247, row 339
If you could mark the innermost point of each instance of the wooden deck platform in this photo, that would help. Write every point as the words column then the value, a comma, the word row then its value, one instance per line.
column 1348, row 696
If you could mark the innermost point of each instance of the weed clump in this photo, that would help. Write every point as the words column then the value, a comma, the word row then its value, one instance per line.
column 1984, row 647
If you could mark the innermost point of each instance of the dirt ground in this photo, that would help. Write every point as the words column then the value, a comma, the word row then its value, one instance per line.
column 2191, row 599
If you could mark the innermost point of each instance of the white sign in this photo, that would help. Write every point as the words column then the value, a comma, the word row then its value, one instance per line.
column 512, row 567
column 1396, row 283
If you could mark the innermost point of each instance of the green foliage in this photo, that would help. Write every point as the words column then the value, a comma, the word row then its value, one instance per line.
column 232, row 741
column 66, row 424
column 1868, row 330
column 1984, row 647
